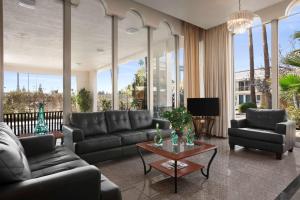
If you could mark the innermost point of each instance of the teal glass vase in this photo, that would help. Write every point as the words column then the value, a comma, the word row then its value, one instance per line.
column 174, row 138
column 190, row 137
column 158, row 140
column 41, row 127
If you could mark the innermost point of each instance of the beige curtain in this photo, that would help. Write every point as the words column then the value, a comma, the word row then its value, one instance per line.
column 218, row 74
column 193, row 35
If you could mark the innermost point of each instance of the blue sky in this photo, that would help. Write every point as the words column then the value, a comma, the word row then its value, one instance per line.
column 286, row 28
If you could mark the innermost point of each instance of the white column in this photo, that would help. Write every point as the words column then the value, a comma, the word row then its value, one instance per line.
column 67, row 107
column 1, row 62
column 177, row 77
column 274, row 63
column 93, row 88
column 150, row 70
column 115, row 95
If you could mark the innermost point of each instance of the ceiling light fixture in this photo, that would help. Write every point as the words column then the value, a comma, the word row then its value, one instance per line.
column 30, row 4
column 99, row 50
column 240, row 21
column 132, row 30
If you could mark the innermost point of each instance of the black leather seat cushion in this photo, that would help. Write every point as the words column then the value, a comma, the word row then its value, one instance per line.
column 49, row 159
column 151, row 133
column 90, row 123
column 257, row 134
column 132, row 137
column 264, row 118
column 140, row 119
column 97, row 143
column 6, row 129
column 109, row 190
column 117, row 121
column 59, row 168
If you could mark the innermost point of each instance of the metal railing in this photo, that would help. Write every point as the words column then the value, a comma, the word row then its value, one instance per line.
column 24, row 123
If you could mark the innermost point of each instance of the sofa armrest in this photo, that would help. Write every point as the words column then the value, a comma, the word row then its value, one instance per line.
column 286, row 128
column 238, row 123
column 78, row 183
column 163, row 123
column 72, row 135
column 289, row 130
column 77, row 134
column 34, row 145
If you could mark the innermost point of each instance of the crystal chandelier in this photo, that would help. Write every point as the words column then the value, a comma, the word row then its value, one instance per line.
column 240, row 21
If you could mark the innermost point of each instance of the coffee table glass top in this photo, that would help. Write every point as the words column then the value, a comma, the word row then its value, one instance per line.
column 180, row 147
column 176, row 152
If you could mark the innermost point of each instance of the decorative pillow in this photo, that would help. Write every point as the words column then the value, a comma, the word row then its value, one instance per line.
column 13, row 163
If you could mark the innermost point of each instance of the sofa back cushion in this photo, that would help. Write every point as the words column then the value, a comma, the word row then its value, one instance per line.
column 117, row 121
column 264, row 118
column 91, row 123
column 6, row 129
column 140, row 119
column 13, row 162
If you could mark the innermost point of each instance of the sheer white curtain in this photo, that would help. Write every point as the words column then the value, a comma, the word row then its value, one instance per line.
column 218, row 74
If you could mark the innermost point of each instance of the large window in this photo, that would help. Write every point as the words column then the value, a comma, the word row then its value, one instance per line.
column 164, row 69
column 91, row 55
column 252, row 68
column 132, row 70
column 289, row 57
column 33, row 56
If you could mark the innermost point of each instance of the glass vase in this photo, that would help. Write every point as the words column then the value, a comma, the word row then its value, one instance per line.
column 174, row 138
column 190, row 138
column 158, row 140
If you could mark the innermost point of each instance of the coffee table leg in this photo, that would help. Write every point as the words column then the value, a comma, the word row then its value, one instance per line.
column 206, row 174
column 175, row 177
column 146, row 171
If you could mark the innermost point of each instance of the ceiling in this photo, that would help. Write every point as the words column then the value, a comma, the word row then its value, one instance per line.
column 205, row 13
column 33, row 38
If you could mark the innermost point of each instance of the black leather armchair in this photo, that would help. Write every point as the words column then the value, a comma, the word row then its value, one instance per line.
column 265, row 130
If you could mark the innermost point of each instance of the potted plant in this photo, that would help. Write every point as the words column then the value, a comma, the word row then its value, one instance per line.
column 179, row 119
column 84, row 100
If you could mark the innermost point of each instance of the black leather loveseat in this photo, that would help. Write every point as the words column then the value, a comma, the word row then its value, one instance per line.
column 265, row 130
column 32, row 168
column 99, row 136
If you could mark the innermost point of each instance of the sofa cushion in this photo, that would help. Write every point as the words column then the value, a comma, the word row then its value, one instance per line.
column 257, row 134
column 264, row 118
column 140, row 119
column 59, row 168
column 151, row 133
column 5, row 128
column 132, row 137
column 49, row 159
column 97, row 143
column 13, row 163
column 117, row 121
column 92, row 123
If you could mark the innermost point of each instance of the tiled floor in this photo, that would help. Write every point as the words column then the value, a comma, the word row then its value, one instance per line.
column 242, row 174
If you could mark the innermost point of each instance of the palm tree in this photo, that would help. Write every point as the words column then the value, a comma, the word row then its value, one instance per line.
column 293, row 58
column 290, row 84
column 251, row 56
column 266, row 82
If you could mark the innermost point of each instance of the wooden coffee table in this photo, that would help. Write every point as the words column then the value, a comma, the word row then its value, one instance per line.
column 177, row 153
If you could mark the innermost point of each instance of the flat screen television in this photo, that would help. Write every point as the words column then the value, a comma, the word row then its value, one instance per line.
column 203, row 106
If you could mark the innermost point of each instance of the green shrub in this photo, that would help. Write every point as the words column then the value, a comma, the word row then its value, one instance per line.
column 84, row 100
column 244, row 106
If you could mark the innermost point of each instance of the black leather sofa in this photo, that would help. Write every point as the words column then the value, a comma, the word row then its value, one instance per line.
column 33, row 168
column 267, row 130
column 100, row 136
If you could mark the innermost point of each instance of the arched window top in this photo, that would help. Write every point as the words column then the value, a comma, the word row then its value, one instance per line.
column 293, row 8
column 132, row 22
column 163, row 32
